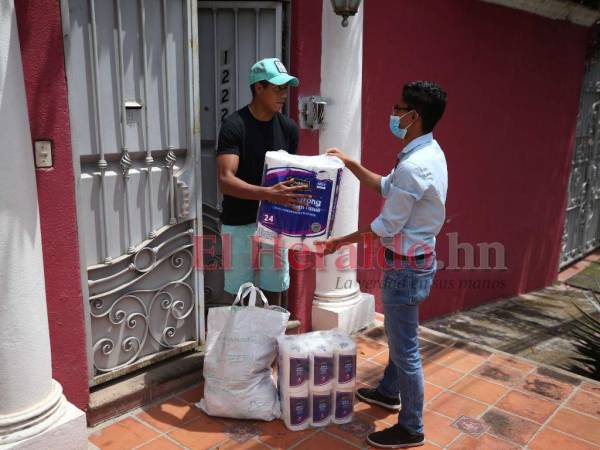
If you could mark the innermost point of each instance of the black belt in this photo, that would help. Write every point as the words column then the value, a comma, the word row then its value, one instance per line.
column 396, row 257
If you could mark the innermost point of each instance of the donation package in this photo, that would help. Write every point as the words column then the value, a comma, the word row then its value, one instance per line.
column 313, row 220
column 241, row 346
column 316, row 378
column 316, row 372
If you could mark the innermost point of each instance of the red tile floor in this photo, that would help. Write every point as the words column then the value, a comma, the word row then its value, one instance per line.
column 476, row 398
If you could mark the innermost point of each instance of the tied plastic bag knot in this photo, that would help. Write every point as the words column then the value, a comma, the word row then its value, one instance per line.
column 250, row 291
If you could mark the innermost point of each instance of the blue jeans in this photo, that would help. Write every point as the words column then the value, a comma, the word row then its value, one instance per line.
column 405, row 286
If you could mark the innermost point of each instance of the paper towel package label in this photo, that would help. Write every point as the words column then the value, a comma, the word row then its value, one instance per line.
column 323, row 370
column 311, row 219
column 343, row 404
column 321, row 407
column 347, row 368
column 298, row 410
column 298, row 371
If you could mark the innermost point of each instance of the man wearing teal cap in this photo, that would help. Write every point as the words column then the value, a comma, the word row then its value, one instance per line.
column 244, row 138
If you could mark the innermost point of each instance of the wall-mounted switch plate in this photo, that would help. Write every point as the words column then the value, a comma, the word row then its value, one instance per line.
column 43, row 154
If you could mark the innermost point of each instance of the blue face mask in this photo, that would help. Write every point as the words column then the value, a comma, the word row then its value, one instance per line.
column 395, row 126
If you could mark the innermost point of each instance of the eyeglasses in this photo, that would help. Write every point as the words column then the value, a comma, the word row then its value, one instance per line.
column 397, row 108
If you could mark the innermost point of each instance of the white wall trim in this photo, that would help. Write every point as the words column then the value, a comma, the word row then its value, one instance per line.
column 32, row 405
column 338, row 301
column 554, row 9
column 341, row 86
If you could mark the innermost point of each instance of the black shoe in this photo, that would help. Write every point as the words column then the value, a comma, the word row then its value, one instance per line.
column 395, row 437
column 374, row 397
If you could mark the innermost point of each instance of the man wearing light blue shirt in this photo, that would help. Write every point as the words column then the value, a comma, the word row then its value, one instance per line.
column 411, row 217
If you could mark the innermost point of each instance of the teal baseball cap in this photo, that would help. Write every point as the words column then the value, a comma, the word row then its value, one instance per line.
column 273, row 71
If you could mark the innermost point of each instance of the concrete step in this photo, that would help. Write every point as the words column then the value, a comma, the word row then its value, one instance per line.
column 145, row 386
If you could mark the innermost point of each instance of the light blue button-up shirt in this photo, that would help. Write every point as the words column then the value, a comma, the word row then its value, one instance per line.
column 415, row 198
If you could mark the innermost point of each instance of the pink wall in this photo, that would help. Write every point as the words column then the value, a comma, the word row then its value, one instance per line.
column 40, row 35
column 513, row 81
column 305, row 63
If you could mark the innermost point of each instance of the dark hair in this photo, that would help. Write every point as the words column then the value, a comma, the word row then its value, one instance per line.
column 428, row 99
column 264, row 83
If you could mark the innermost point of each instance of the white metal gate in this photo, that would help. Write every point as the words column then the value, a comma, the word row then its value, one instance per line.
column 232, row 36
column 133, row 99
column 581, row 233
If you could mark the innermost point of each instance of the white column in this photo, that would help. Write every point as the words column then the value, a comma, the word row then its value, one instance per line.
column 338, row 300
column 33, row 411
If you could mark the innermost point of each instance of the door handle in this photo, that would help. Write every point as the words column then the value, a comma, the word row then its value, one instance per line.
column 184, row 205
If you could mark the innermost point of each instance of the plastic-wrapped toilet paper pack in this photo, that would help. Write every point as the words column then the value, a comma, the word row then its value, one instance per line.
column 295, row 409
column 313, row 221
column 345, row 363
column 321, row 366
column 322, row 408
column 292, row 362
column 343, row 404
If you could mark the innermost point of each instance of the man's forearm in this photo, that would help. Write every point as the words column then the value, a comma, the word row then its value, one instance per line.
column 365, row 176
column 237, row 187
column 364, row 233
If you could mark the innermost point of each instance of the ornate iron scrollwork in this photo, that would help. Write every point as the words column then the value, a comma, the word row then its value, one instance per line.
column 134, row 311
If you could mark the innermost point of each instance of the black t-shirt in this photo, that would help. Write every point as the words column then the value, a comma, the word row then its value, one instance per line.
column 243, row 135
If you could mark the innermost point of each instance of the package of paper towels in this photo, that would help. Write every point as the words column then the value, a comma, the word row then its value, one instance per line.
column 313, row 220
column 317, row 378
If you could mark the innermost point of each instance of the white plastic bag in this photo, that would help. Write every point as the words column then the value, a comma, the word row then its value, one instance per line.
column 241, row 345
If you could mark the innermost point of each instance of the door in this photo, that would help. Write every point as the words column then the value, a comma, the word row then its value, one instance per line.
column 581, row 233
column 232, row 36
column 133, row 99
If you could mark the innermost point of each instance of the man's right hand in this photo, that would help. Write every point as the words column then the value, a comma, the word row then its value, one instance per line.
column 364, row 175
column 285, row 193
column 340, row 154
